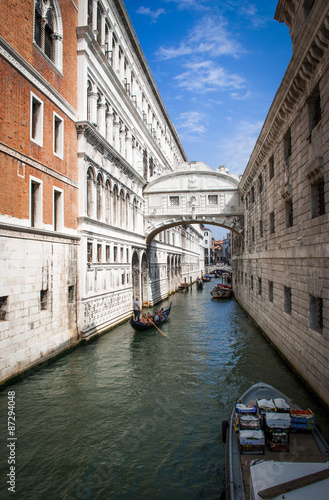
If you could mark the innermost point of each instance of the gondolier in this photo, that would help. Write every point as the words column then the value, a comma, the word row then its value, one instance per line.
column 137, row 310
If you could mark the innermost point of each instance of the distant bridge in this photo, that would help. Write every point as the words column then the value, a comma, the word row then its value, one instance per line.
column 193, row 194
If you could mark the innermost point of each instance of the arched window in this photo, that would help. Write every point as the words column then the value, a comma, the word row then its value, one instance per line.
column 127, row 210
column 134, row 214
column 90, row 192
column 122, row 209
column 48, row 30
column 115, row 204
column 107, row 202
column 99, row 197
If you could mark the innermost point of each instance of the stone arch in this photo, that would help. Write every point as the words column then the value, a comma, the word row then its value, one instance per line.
column 108, row 201
column 135, row 273
column 122, row 208
column 99, row 194
column 127, row 222
column 48, row 30
column 90, row 191
column 144, row 279
column 115, row 204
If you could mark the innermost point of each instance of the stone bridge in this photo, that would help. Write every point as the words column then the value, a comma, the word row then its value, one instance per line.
column 193, row 194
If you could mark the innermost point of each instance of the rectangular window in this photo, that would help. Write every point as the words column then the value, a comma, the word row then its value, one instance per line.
column 58, row 136
column 272, row 225
column 287, row 300
column 318, row 198
column 270, row 291
column 289, row 213
column 260, row 286
column 35, row 202
column 314, row 108
column 3, row 308
column 36, row 129
column 174, row 201
column 89, row 252
column 260, row 183
column 115, row 254
column 123, row 279
column 253, row 233
column 43, row 299
column 251, row 282
column 58, row 210
column 253, row 194
column 108, row 253
column 261, row 231
column 70, row 292
column 99, row 252
column 287, row 147
column 271, row 167
column 316, row 313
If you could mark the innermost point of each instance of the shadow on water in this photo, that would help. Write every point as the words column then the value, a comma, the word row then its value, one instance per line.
column 138, row 415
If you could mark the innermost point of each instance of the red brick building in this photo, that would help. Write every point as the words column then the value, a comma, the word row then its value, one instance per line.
column 39, row 181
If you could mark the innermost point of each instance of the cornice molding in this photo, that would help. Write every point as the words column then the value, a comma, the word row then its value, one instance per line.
column 35, row 164
column 28, row 72
column 105, row 148
column 292, row 87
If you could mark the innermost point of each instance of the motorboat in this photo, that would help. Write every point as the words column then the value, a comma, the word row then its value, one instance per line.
column 274, row 449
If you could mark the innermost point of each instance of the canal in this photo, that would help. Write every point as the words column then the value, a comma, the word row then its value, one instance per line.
column 138, row 415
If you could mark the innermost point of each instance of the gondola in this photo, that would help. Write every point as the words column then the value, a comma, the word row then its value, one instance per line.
column 199, row 285
column 142, row 327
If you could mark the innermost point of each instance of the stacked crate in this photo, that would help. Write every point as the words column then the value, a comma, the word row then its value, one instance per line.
column 248, row 426
column 302, row 420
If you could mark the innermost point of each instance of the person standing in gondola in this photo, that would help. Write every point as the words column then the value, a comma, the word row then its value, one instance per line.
column 137, row 310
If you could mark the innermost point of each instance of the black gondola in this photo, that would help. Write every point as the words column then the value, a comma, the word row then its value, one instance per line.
column 141, row 327
column 199, row 285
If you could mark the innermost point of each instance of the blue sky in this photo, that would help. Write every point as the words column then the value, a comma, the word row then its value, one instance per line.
column 217, row 65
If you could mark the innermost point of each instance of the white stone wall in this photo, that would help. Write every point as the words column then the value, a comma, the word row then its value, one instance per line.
column 29, row 334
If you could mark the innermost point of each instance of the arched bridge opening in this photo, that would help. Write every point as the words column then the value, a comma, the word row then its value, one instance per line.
column 193, row 194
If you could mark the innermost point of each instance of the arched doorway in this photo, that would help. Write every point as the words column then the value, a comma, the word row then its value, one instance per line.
column 135, row 275
column 145, row 281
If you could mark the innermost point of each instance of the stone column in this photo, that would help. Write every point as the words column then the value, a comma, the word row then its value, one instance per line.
column 92, row 104
column 101, row 115
column 129, row 147
column 109, row 124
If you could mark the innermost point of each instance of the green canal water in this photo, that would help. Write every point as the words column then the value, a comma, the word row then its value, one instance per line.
column 138, row 415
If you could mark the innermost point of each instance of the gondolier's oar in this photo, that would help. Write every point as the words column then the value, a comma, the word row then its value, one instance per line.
column 154, row 325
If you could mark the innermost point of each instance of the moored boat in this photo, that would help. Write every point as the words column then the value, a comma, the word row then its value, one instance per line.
column 274, row 450
column 143, row 326
column 221, row 291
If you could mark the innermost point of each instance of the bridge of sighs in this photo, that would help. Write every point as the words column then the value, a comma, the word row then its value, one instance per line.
column 193, row 194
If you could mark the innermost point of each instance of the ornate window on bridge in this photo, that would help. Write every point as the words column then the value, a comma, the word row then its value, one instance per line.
column 213, row 199
column 174, row 201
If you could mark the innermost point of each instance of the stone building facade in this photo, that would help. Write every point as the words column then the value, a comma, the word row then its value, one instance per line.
column 281, row 268
column 125, row 139
column 83, row 129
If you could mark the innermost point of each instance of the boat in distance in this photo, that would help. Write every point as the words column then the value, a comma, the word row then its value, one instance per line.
column 221, row 292
column 141, row 326
column 274, row 449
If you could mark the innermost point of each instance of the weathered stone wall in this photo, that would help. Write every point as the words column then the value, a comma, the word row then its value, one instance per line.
column 282, row 268
column 39, row 283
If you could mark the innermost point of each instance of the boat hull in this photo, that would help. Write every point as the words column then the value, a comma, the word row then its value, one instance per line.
column 235, row 476
column 142, row 327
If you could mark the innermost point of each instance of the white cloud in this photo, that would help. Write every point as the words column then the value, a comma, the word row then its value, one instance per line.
column 209, row 36
column 192, row 122
column 206, row 76
column 153, row 14
column 190, row 4
column 236, row 148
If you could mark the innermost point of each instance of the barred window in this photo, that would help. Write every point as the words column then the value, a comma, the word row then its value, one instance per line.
column 213, row 199
column 174, row 201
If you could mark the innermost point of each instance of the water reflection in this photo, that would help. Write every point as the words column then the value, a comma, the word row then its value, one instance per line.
column 138, row 415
